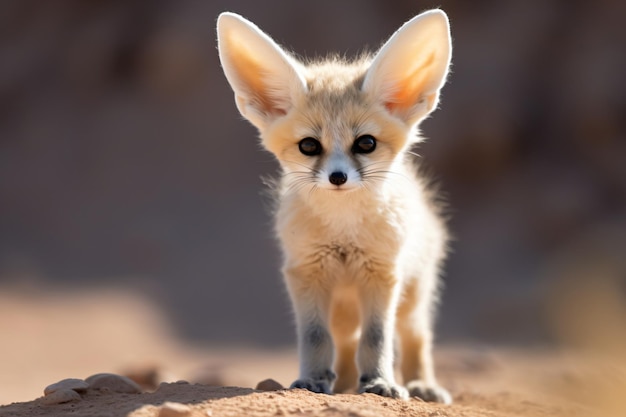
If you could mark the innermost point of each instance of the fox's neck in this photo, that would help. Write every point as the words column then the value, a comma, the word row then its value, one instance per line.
column 345, row 210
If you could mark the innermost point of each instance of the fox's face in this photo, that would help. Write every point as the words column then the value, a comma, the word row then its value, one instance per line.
column 334, row 125
column 337, row 138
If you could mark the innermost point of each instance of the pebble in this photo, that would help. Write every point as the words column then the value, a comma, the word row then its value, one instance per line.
column 61, row 396
column 269, row 385
column 171, row 409
column 73, row 384
column 147, row 377
column 113, row 383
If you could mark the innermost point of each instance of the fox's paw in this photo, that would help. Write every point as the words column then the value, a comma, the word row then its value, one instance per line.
column 429, row 392
column 382, row 387
column 320, row 386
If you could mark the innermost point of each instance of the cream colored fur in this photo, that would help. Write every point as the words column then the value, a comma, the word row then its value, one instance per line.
column 362, row 255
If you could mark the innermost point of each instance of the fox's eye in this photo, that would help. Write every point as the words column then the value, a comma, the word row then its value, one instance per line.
column 364, row 144
column 310, row 146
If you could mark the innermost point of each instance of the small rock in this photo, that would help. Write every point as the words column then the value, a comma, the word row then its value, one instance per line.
column 61, row 396
column 113, row 383
column 74, row 384
column 147, row 377
column 269, row 385
column 171, row 409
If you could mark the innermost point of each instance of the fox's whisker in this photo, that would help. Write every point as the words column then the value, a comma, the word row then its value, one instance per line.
column 312, row 190
column 313, row 170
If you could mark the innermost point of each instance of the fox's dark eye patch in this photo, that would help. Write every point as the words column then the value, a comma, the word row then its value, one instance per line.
column 310, row 146
column 364, row 144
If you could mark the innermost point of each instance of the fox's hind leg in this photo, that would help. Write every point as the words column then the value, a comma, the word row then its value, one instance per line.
column 344, row 324
column 414, row 326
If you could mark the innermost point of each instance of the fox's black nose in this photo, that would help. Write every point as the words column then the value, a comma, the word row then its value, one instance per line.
column 338, row 178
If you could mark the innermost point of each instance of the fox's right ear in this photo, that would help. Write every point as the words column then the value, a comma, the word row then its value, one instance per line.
column 265, row 79
column 410, row 69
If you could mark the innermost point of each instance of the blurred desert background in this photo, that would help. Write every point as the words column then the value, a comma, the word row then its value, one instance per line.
column 134, row 232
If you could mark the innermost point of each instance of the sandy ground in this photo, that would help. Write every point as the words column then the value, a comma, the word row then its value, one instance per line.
column 51, row 336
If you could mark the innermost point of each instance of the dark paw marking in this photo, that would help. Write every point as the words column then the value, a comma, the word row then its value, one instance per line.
column 320, row 386
column 316, row 336
column 374, row 335
column 382, row 387
column 430, row 393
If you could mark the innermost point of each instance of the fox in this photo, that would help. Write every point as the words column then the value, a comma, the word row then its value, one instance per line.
column 362, row 231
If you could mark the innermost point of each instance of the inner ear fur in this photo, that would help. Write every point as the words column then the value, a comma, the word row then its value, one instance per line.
column 264, row 77
column 408, row 72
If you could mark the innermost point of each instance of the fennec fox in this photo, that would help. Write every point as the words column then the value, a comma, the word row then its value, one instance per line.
column 361, row 236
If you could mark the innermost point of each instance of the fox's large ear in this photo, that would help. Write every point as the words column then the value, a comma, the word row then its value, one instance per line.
column 265, row 78
column 410, row 69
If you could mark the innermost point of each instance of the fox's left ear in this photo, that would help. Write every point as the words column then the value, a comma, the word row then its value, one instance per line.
column 266, row 80
column 411, row 67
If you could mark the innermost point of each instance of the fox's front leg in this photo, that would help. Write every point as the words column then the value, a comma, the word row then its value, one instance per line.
column 375, row 352
column 315, row 348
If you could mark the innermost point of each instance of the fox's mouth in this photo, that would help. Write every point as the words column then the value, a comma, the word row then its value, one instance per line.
column 341, row 189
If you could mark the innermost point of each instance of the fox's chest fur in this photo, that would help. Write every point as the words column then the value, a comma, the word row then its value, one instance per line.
column 348, row 238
